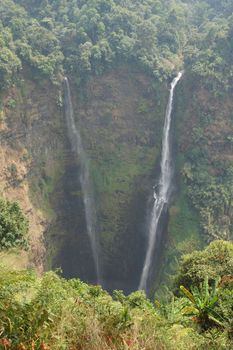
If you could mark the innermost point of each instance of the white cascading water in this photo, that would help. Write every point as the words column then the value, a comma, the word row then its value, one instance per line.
column 162, row 197
column 89, row 207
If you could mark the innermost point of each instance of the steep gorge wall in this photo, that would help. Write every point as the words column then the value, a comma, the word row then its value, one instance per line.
column 120, row 116
column 202, row 208
column 205, row 130
column 32, row 147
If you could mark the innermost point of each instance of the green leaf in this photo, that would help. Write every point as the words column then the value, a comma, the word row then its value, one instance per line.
column 188, row 294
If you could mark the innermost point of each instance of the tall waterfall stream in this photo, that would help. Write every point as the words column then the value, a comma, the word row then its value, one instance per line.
column 162, row 195
column 76, row 142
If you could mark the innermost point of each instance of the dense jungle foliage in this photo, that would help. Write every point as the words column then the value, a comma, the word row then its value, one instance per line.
column 49, row 312
column 85, row 37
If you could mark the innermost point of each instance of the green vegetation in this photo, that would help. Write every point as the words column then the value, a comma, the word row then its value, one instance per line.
column 209, row 182
column 13, row 225
column 216, row 260
column 49, row 312
column 183, row 235
column 203, row 301
column 86, row 37
column 204, row 161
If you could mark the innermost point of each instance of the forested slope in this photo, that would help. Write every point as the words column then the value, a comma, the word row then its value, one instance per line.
column 89, row 36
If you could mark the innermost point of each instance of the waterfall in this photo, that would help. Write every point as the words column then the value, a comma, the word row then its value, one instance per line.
column 76, row 143
column 161, row 198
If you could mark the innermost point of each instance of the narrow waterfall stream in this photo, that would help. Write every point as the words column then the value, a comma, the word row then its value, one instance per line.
column 162, row 196
column 76, row 143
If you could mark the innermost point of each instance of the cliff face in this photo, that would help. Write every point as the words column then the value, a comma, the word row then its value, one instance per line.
column 120, row 116
column 32, row 145
column 202, row 209
column 205, row 144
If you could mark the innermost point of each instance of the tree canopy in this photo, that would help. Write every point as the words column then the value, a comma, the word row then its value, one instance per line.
column 87, row 37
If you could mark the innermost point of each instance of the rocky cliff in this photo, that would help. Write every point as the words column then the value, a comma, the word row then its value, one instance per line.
column 120, row 116
column 32, row 153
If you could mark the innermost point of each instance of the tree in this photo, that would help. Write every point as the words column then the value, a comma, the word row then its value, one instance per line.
column 13, row 225
column 215, row 261
column 9, row 66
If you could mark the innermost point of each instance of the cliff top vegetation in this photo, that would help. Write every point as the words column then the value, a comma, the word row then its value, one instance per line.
column 88, row 37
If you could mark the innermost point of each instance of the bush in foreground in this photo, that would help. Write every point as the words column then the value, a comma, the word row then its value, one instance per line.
column 52, row 313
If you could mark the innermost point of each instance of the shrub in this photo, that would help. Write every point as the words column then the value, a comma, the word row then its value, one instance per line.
column 215, row 261
column 13, row 225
